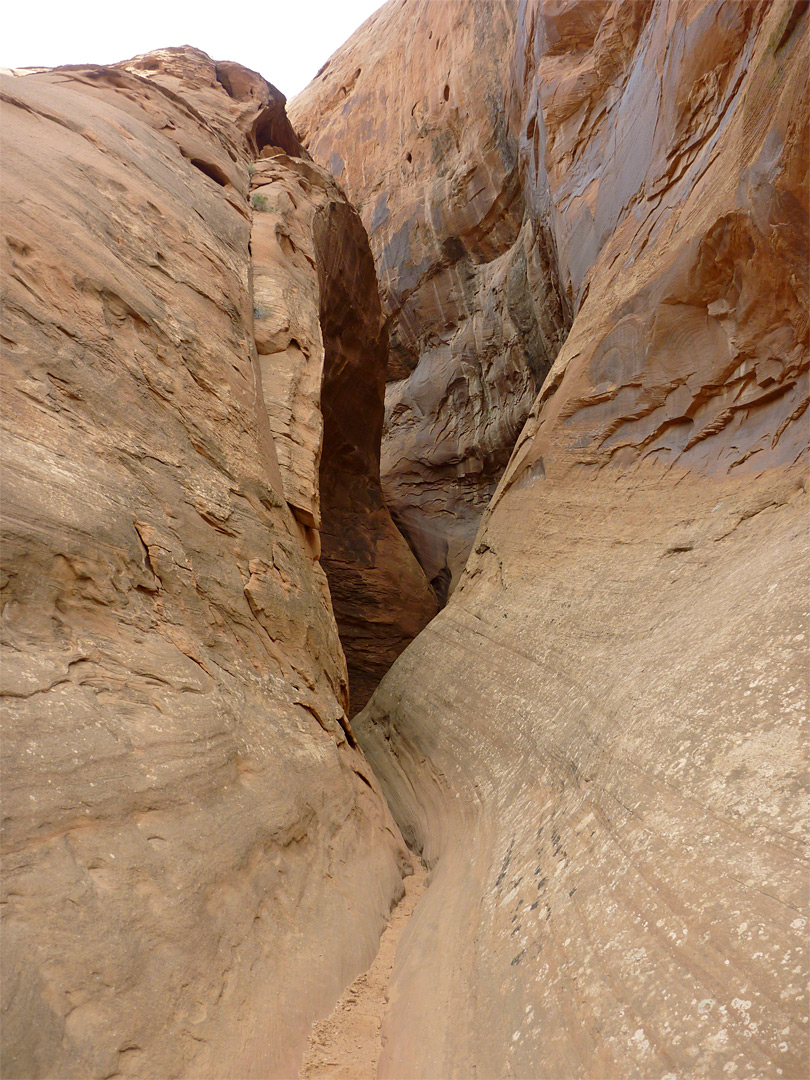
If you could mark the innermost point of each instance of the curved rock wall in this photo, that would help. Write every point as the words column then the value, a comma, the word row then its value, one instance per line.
column 379, row 591
column 597, row 745
column 196, row 859
column 414, row 118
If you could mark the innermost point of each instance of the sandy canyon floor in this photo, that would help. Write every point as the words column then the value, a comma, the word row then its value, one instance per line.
column 347, row 1044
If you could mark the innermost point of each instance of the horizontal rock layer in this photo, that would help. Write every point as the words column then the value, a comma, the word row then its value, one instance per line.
column 597, row 745
column 196, row 857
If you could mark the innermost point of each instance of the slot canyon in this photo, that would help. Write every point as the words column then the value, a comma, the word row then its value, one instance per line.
column 404, row 495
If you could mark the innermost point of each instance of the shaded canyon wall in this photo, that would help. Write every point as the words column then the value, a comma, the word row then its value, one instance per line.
column 414, row 117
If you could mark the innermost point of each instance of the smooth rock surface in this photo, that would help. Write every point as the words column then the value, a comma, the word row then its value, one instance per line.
column 599, row 745
column 196, row 860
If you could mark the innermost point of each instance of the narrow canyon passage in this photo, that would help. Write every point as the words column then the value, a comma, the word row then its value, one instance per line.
column 346, row 1045
column 596, row 743
column 529, row 280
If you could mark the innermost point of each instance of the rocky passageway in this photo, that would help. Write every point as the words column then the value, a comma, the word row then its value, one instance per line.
column 322, row 348
column 598, row 743
column 347, row 1044
column 597, row 746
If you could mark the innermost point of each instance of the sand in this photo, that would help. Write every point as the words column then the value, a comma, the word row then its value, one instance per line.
column 346, row 1045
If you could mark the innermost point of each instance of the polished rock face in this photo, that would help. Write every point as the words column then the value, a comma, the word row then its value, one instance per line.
column 415, row 118
column 597, row 745
column 196, row 857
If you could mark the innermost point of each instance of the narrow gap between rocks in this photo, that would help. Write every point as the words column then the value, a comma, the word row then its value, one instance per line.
column 367, row 572
column 357, row 541
column 380, row 595
column 347, row 1044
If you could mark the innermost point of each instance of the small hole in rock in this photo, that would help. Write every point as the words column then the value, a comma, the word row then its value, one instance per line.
column 213, row 171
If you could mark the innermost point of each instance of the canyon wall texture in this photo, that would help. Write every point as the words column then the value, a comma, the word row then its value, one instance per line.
column 196, row 858
column 597, row 744
column 322, row 351
column 413, row 117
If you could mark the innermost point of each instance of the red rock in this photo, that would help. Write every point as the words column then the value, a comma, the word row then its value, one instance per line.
column 410, row 117
column 597, row 744
column 323, row 349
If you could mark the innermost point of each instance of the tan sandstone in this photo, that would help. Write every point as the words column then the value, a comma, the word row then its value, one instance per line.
column 196, row 858
column 597, row 746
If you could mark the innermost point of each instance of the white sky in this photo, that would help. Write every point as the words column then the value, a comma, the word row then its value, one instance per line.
column 285, row 40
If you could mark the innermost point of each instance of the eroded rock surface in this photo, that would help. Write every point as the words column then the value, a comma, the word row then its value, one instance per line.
column 414, row 117
column 597, row 744
column 380, row 594
column 196, row 860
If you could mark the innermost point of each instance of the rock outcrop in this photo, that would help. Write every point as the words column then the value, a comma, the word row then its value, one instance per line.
column 412, row 117
column 597, row 744
column 196, row 857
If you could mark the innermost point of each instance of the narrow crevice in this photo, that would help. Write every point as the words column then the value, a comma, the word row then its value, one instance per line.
column 380, row 596
column 348, row 1042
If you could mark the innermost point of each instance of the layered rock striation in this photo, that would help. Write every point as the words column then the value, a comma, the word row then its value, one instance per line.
column 196, row 856
column 597, row 745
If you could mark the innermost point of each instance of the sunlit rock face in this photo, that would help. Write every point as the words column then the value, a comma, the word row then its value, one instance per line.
column 196, row 857
column 597, row 744
column 416, row 119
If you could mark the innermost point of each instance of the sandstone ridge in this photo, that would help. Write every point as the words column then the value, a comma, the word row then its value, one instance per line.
column 196, row 856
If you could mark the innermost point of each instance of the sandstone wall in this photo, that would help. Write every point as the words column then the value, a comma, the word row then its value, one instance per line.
column 196, row 857
column 597, row 745
column 414, row 117
column 323, row 351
